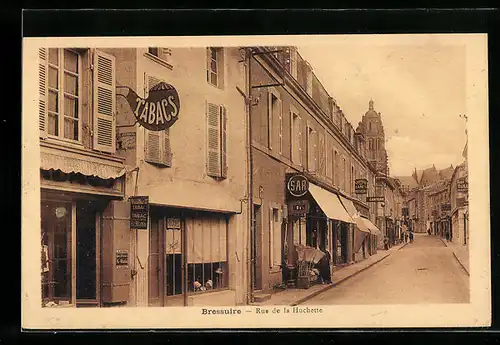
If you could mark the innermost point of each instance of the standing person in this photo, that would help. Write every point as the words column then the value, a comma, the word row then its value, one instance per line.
column 324, row 268
column 429, row 231
column 411, row 236
column 386, row 243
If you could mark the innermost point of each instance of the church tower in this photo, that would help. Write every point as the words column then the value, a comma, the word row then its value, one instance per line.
column 373, row 131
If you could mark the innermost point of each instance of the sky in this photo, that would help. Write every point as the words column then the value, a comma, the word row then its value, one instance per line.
column 419, row 88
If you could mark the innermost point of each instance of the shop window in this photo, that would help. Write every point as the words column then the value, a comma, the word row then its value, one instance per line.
column 173, row 252
column 296, row 138
column 56, row 246
column 216, row 161
column 158, row 150
column 207, row 267
column 215, row 66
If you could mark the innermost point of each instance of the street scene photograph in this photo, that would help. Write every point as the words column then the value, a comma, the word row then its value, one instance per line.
column 303, row 174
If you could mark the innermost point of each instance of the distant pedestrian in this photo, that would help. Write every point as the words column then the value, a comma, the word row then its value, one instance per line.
column 386, row 243
column 411, row 236
column 447, row 236
column 429, row 231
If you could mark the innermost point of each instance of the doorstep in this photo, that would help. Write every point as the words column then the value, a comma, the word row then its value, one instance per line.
column 293, row 296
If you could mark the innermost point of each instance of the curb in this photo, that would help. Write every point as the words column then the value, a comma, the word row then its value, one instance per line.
column 443, row 242
column 314, row 294
column 404, row 245
column 461, row 264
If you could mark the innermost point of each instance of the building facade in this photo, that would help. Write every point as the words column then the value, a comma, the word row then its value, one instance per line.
column 96, row 158
column 459, row 199
column 298, row 129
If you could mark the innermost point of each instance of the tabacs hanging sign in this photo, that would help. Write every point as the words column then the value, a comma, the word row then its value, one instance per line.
column 157, row 112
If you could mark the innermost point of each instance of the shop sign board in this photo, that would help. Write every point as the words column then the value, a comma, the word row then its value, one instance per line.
column 298, row 185
column 462, row 184
column 173, row 223
column 122, row 258
column 361, row 186
column 157, row 112
column 375, row 199
column 298, row 208
column 445, row 207
column 139, row 212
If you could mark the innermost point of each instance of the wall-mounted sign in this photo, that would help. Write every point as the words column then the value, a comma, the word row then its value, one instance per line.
column 126, row 140
column 462, row 184
column 375, row 199
column 298, row 208
column 159, row 111
column 361, row 186
column 139, row 212
column 445, row 207
column 122, row 258
column 460, row 202
column 298, row 185
column 173, row 223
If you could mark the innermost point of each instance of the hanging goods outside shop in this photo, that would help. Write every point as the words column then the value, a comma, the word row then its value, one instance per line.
column 159, row 111
column 308, row 257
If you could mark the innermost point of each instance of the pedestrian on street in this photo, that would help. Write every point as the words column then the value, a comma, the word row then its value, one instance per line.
column 429, row 232
column 386, row 243
column 411, row 236
column 324, row 268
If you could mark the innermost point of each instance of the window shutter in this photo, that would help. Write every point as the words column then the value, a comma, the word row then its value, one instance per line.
column 270, row 119
column 42, row 91
column 280, row 126
column 224, row 141
column 208, row 63
column 104, row 99
column 271, row 237
column 213, row 138
column 315, row 150
column 300, row 140
column 153, row 147
column 167, row 152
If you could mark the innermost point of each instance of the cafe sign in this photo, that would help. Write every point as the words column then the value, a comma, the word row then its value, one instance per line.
column 361, row 186
column 298, row 185
column 139, row 212
column 375, row 199
column 157, row 112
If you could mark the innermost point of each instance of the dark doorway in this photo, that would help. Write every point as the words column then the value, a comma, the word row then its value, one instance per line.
column 86, row 251
column 256, row 249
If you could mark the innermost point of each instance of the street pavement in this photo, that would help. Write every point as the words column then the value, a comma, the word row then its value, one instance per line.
column 424, row 271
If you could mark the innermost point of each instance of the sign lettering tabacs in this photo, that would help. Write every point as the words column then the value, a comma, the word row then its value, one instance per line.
column 361, row 186
column 298, row 185
column 139, row 212
column 159, row 111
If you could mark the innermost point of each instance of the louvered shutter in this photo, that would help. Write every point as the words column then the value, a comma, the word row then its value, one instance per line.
column 270, row 119
column 321, row 154
column 315, row 150
column 104, row 99
column 300, row 140
column 213, row 138
column 271, row 237
column 280, row 125
column 42, row 92
column 167, row 152
column 224, row 141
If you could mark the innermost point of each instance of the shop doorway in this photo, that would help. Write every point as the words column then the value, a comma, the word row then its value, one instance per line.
column 256, row 235
column 155, row 264
column 87, row 252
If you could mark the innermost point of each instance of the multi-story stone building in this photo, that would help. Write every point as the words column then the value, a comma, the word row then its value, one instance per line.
column 96, row 157
column 299, row 129
column 459, row 198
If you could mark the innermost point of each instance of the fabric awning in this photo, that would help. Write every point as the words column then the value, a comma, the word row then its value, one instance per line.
column 351, row 209
column 78, row 161
column 330, row 204
column 373, row 229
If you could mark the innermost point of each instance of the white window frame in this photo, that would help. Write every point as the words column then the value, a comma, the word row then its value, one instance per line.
column 219, row 61
column 60, row 92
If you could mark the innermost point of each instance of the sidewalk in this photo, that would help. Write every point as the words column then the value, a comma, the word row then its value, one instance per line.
column 460, row 252
column 294, row 297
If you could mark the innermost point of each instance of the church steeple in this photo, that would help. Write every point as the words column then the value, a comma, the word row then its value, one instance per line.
column 370, row 105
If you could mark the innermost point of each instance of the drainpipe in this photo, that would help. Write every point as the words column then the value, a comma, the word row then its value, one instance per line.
column 251, row 239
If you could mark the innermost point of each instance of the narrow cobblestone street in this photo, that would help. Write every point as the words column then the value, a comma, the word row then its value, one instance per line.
column 422, row 272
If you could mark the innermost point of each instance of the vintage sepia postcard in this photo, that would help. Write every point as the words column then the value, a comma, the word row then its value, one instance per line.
column 255, row 182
